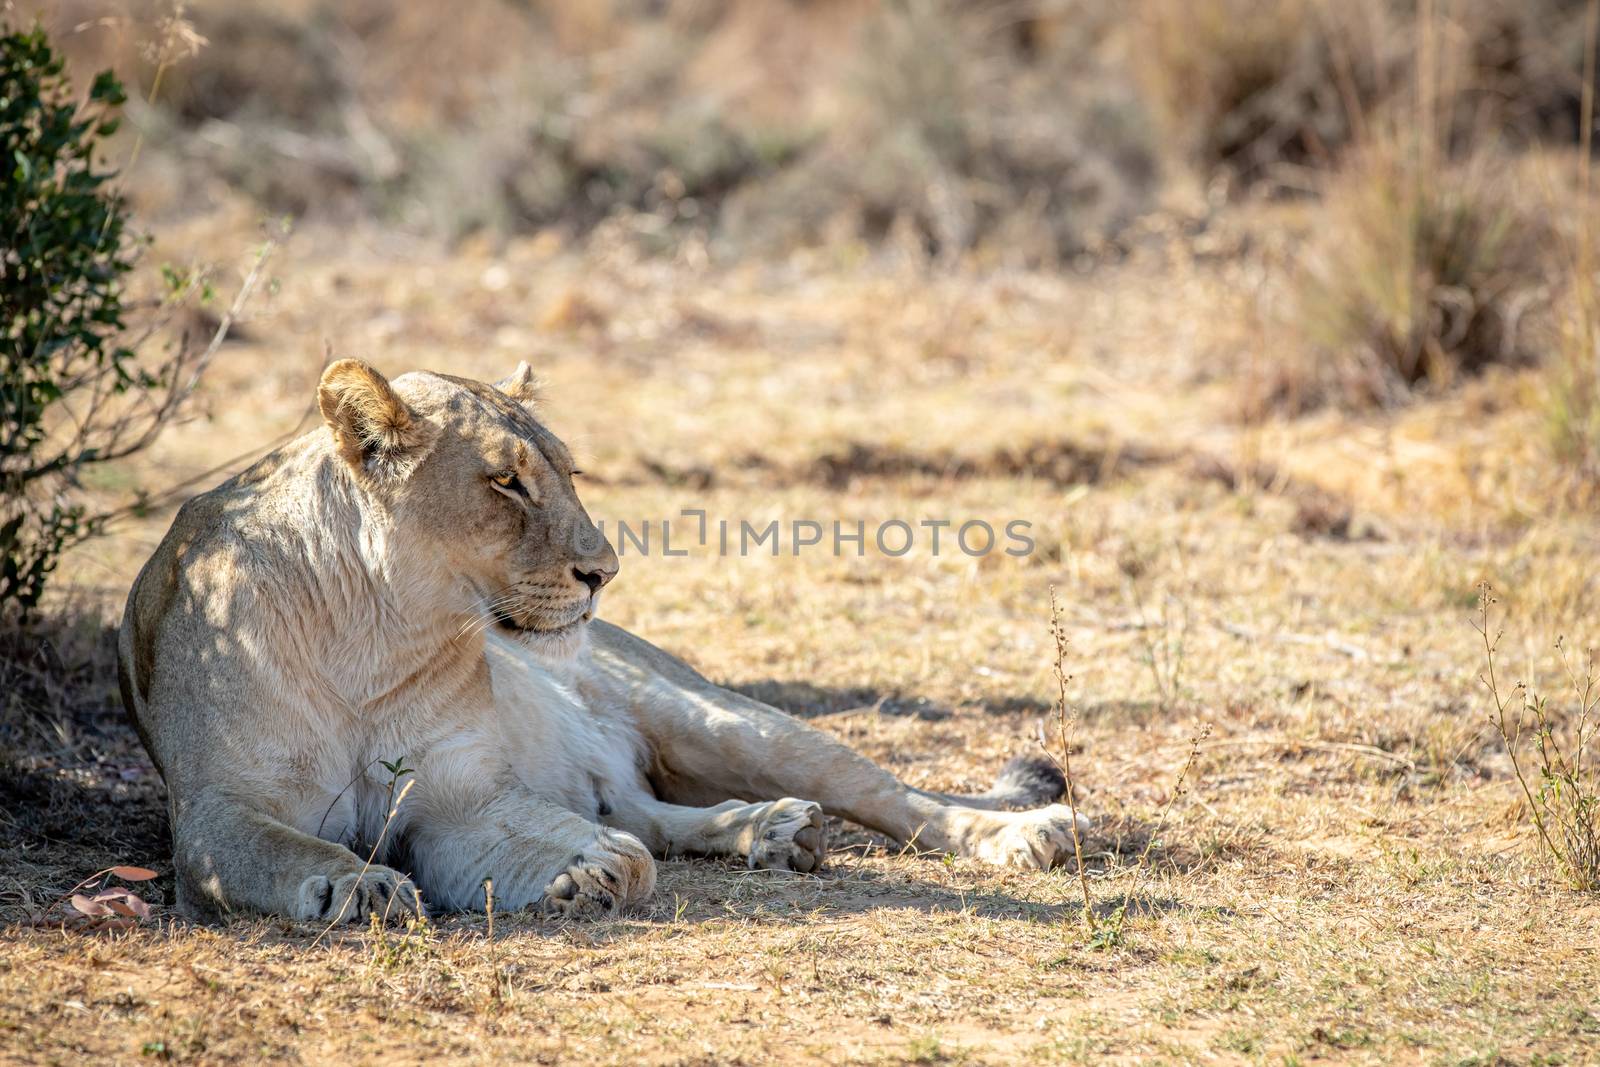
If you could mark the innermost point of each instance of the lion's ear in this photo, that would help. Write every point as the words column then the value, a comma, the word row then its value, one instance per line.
column 377, row 433
column 521, row 385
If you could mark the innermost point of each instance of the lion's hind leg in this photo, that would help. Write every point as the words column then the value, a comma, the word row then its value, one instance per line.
column 784, row 834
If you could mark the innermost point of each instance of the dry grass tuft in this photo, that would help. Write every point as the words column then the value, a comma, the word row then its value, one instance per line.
column 1263, row 88
column 1573, row 391
column 1418, row 273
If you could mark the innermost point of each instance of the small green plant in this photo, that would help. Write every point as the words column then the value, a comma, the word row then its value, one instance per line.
column 411, row 946
column 1561, row 780
column 397, row 770
column 397, row 796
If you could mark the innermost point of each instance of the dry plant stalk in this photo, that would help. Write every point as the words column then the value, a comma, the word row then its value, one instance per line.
column 1564, row 806
column 1064, row 725
column 1179, row 788
column 1110, row 933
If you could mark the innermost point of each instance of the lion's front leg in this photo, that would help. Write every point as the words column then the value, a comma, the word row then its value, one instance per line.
column 613, row 873
column 534, row 854
column 231, row 856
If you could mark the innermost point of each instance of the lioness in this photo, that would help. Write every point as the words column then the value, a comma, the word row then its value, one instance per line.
column 418, row 580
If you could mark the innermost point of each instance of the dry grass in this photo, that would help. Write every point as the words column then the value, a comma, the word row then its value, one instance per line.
column 1346, row 880
column 1347, row 875
column 1574, row 388
column 1573, row 400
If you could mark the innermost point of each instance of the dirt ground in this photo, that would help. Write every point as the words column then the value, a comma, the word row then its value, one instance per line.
column 1344, row 879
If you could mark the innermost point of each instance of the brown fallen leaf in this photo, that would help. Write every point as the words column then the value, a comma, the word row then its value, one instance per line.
column 132, row 874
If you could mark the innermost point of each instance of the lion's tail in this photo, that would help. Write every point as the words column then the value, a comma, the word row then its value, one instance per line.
column 1024, row 782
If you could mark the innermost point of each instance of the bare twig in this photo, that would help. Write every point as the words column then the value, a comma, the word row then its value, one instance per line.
column 1179, row 788
column 1323, row 746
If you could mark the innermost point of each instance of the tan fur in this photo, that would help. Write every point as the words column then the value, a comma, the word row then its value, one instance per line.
column 417, row 581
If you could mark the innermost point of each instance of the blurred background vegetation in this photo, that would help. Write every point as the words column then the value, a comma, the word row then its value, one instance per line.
column 1411, row 175
column 1010, row 133
column 1016, row 131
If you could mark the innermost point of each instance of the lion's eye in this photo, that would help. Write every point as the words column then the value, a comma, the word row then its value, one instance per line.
column 508, row 480
column 576, row 474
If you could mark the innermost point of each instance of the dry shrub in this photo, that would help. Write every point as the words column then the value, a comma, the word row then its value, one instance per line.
column 961, row 133
column 1525, row 61
column 939, row 122
column 1431, row 251
column 260, row 64
column 1417, row 272
column 1250, row 84
column 573, row 142
column 1016, row 129
column 957, row 125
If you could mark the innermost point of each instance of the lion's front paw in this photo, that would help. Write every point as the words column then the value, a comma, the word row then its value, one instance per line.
column 355, row 896
column 611, row 874
column 789, row 836
column 1033, row 840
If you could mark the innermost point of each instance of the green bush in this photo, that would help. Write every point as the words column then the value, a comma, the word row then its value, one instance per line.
column 73, row 390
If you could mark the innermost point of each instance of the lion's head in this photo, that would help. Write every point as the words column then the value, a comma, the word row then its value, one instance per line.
column 474, row 484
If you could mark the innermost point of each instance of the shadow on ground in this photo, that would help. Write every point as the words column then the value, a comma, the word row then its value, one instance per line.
column 77, row 791
column 78, row 794
column 804, row 700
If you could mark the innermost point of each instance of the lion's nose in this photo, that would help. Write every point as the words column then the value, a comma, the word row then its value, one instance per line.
column 596, row 578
